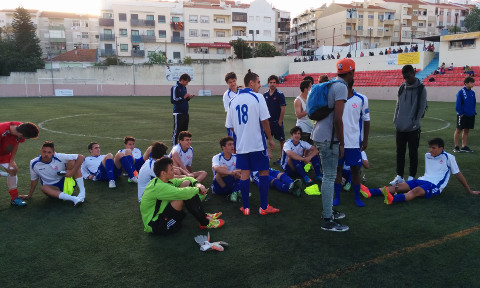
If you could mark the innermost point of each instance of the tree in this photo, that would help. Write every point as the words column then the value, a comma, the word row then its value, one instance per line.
column 27, row 56
column 187, row 60
column 157, row 58
column 241, row 48
column 452, row 29
column 266, row 50
column 472, row 21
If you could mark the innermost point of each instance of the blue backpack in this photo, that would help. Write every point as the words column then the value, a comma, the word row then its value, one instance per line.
column 317, row 101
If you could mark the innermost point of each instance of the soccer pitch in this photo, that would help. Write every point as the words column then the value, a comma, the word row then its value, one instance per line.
column 50, row 243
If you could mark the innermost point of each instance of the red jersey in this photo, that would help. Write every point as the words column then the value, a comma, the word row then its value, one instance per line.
column 8, row 141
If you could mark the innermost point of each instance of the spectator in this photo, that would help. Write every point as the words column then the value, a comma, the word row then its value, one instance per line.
column 468, row 71
column 349, row 55
column 451, row 67
column 361, row 54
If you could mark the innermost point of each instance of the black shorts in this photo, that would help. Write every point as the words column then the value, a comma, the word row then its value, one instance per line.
column 169, row 222
column 277, row 131
column 465, row 122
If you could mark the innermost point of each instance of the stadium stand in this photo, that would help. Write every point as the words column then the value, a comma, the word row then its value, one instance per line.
column 453, row 77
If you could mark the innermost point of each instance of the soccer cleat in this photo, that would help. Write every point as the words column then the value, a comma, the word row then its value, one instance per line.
column 111, row 184
column 388, row 196
column 234, row 196
column 332, row 225
column 204, row 198
column 312, row 190
column 410, row 178
column 398, row 179
column 3, row 174
column 213, row 224
column 307, row 167
column 338, row 215
column 269, row 210
column 135, row 173
column 466, row 149
column 78, row 201
column 245, row 211
column 298, row 187
column 213, row 216
column 456, row 149
column 365, row 191
column 347, row 186
column 18, row 202
column 319, row 177
column 133, row 180
column 307, row 179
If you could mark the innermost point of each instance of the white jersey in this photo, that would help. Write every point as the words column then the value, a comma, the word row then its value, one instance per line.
column 185, row 156
column 297, row 149
column 227, row 97
column 246, row 111
column 439, row 168
column 47, row 172
column 91, row 164
column 136, row 153
column 305, row 123
column 219, row 160
column 144, row 176
column 354, row 114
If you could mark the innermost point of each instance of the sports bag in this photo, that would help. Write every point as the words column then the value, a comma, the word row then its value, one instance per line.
column 317, row 100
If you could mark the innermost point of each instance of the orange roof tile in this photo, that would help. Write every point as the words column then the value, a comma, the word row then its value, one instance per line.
column 78, row 55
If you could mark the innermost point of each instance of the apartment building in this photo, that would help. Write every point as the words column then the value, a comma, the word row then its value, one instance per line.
column 303, row 34
column 6, row 18
column 282, row 35
column 344, row 24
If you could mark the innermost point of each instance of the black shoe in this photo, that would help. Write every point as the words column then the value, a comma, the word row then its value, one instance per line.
column 456, row 149
column 466, row 149
column 332, row 225
column 338, row 215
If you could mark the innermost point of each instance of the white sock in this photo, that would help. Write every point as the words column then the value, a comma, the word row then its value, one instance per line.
column 81, row 187
column 65, row 196
column 12, row 182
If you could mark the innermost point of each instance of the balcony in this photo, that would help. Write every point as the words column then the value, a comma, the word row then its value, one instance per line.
column 107, row 37
column 107, row 52
column 143, row 38
column 176, row 39
column 138, row 53
column 105, row 22
column 56, row 27
column 139, row 23
column 57, row 40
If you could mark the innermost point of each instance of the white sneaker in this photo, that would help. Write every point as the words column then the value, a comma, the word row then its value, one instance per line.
column 398, row 180
column 78, row 201
column 3, row 174
column 111, row 184
column 410, row 178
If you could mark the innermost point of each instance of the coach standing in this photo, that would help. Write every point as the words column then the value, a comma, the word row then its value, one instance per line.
column 179, row 98
column 411, row 105
column 276, row 107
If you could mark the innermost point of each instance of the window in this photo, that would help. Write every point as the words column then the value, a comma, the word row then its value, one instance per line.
column 220, row 50
column 238, row 33
column 162, row 34
column 420, row 24
column 85, row 46
column 267, row 33
column 150, row 32
column 251, row 18
column 360, row 28
column 135, row 33
column 258, row 32
column 239, row 17
column 107, row 16
column 176, row 19
column 122, row 17
column 250, row 31
column 380, row 17
column 85, row 35
column 348, row 27
column 75, row 23
column 448, row 13
column 193, row 18
column 360, row 16
column 267, row 19
column 220, row 20
column 370, row 16
column 176, row 55
column 380, row 29
column 161, row 19
column 107, row 31
column 466, row 43
column 415, row 12
column 220, row 34
column 205, row 33
column 123, row 47
column 123, row 32
column 150, row 17
column 193, row 33
column 134, row 16
column 429, row 24
column 204, row 19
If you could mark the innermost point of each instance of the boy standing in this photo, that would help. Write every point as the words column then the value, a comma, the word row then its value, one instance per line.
column 466, row 111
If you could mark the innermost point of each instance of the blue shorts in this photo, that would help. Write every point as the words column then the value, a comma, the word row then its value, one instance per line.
column 60, row 184
column 102, row 173
column 430, row 188
column 253, row 161
column 139, row 163
column 351, row 157
column 231, row 185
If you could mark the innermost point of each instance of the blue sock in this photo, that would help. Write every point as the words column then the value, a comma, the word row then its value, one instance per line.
column 399, row 198
column 127, row 165
column 375, row 191
column 282, row 187
column 245, row 189
column 356, row 191
column 347, row 174
column 285, row 179
column 337, row 188
column 109, row 168
column 263, row 186
column 299, row 167
column 317, row 166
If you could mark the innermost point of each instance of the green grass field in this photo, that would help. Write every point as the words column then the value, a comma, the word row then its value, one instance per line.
column 50, row 243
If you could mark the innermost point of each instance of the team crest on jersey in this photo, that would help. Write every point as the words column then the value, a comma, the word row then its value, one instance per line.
column 55, row 168
column 9, row 148
column 441, row 161
column 354, row 105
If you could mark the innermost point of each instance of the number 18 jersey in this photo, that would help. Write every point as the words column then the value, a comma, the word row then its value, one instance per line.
column 246, row 111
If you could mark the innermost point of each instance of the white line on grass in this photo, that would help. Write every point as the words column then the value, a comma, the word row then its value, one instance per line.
column 447, row 124
column 41, row 125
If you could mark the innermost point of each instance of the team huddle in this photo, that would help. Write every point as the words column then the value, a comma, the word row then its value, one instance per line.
column 334, row 145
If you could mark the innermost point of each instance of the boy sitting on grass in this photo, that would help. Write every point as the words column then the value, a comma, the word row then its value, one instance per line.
column 438, row 167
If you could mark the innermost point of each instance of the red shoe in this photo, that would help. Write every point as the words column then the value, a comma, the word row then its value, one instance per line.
column 217, row 223
column 269, row 210
column 388, row 196
column 365, row 191
column 213, row 216
column 245, row 211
